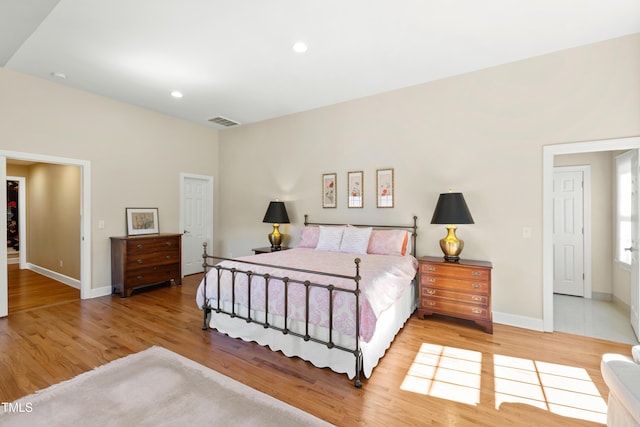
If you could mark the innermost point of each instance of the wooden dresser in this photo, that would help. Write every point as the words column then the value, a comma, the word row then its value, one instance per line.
column 458, row 289
column 138, row 261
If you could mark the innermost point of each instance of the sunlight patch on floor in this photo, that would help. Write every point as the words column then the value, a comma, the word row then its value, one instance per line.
column 455, row 374
column 446, row 372
column 560, row 389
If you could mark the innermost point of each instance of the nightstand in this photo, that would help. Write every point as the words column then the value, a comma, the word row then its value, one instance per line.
column 265, row 250
column 457, row 289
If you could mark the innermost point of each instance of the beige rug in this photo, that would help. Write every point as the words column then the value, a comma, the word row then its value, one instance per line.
column 155, row 387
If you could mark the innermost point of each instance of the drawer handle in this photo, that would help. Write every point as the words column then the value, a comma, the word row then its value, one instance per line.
column 168, row 256
column 431, row 291
column 476, row 298
column 476, row 311
column 431, row 268
column 139, row 261
column 139, row 277
column 139, row 246
column 431, row 303
column 431, row 280
column 476, row 286
column 476, row 273
column 169, row 243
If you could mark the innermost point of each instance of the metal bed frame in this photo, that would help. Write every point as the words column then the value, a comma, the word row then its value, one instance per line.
column 331, row 289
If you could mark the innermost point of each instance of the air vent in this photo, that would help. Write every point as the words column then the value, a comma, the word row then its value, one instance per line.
column 223, row 121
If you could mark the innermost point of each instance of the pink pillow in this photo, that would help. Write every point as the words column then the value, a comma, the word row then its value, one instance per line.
column 309, row 237
column 388, row 242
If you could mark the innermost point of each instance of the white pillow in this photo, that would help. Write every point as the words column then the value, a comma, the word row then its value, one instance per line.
column 355, row 240
column 330, row 238
column 635, row 351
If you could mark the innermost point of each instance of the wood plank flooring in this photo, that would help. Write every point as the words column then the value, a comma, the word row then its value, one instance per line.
column 460, row 375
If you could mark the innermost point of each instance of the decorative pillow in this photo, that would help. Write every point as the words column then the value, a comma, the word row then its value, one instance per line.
column 355, row 240
column 388, row 242
column 330, row 238
column 309, row 237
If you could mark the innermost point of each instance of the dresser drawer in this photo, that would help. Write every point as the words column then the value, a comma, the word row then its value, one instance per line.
column 457, row 271
column 151, row 275
column 155, row 244
column 455, row 309
column 463, row 297
column 154, row 258
column 475, row 286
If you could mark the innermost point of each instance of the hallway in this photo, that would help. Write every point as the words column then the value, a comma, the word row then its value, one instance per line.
column 592, row 318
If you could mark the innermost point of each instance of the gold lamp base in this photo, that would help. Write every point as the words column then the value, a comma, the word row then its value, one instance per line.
column 275, row 238
column 451, row 246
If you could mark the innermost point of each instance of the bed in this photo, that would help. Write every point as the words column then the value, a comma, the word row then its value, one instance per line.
column 337, row 300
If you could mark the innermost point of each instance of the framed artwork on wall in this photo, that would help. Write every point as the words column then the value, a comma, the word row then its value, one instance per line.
column 355, row 189
column 384, row 188
column 142, row 221
column 329, row 198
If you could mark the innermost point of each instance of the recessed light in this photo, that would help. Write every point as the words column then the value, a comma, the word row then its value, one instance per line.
column 59, row 75
column 300, row 47
column 176, row 94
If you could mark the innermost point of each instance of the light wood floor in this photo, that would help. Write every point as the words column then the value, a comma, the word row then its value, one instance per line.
column 41, row 347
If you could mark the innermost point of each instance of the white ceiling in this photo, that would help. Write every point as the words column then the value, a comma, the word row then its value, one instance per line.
column 235, row 59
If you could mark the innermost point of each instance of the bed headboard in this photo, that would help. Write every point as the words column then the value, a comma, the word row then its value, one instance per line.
column 412, row 228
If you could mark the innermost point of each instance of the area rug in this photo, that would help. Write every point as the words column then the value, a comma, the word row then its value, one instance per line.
column 155, row 387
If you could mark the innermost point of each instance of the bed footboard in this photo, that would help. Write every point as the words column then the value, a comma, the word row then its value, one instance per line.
column 248, row 274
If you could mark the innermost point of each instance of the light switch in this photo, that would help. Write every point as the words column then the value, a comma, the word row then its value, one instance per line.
column 101, row 224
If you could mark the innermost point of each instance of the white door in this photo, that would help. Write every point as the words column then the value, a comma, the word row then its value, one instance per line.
column 568, row 232
column 635, row 265
column 197, row 220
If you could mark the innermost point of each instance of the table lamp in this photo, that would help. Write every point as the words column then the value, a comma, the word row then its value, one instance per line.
column 451, row 209
column 276, row 214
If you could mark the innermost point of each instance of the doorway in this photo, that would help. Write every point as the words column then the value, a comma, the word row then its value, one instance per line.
column 549, row 153
column 196, row 219
column 85, row 221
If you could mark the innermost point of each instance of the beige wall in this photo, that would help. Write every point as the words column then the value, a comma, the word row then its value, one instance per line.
column 136, row 155
column 481, row 133
column 53, row 218
column 602, row 224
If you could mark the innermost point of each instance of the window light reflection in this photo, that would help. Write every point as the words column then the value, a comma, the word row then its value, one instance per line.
column 455, row 374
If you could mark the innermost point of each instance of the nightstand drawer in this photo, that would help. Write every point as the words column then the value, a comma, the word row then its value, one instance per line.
column 455, row 270
column 462, row 297
column 456, row 309
column 481, row 287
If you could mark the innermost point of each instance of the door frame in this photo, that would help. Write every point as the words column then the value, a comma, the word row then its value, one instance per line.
column 209, row 205
column 85, row 219
column 586, row 223
column 548, row 153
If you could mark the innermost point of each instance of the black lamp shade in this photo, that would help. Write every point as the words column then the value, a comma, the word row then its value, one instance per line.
column 451, row 209
column 276, row 214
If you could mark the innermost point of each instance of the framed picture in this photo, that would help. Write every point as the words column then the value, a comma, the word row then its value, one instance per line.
column 142, row 221
column 356, row 189
column 329, row 199
column 384, row 188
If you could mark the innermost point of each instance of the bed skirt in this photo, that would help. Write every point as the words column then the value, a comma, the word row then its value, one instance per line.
column 387, row 326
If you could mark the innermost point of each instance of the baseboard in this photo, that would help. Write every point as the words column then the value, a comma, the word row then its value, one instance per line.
column 518, row 321
column 601, row 296
column 75, row 283
column 100, row 292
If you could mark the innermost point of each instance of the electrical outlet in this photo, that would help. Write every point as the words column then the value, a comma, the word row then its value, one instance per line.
column 60, row 263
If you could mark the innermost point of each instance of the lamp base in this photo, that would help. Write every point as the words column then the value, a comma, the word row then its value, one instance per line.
column 275, row 238
column 451, row 246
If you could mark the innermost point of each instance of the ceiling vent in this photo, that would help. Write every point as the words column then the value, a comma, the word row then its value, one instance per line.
column 223, row 121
